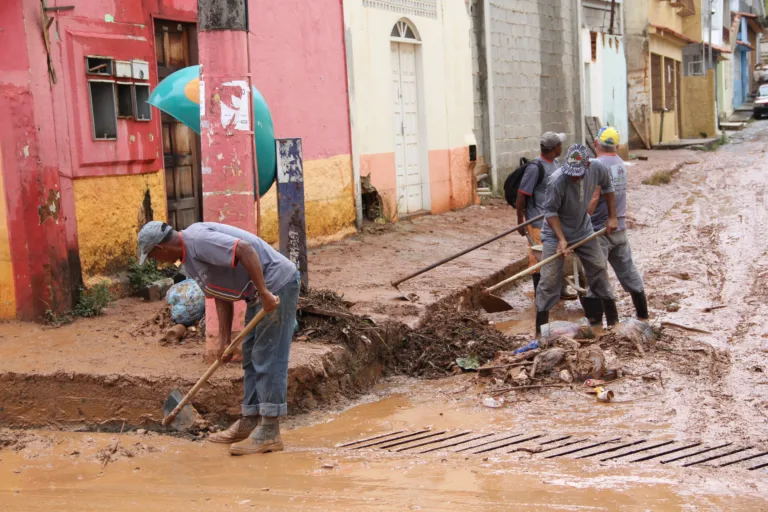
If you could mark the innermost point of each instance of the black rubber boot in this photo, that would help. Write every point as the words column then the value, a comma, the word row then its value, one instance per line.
column 641, row 305
column 542, row 318
column 536, row 278
column 593, row 309
column 611, row 313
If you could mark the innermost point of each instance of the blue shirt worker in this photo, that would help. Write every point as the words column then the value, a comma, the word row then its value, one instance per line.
column 615, row 246
column 230, row 264
column 569, row 192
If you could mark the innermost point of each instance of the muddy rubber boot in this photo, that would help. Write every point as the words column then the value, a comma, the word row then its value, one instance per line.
column 593, row 310
column 536, row 278
column 542, row 318
column 641, row 305
column 266, row 438
column 238, row 431
column 611, row 313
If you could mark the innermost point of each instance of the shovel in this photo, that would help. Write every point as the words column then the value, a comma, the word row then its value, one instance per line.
column 177, row 411
column 493, row 304
column 462, row 253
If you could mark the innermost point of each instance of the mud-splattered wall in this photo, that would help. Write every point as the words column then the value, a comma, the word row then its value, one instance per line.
column 110, row 211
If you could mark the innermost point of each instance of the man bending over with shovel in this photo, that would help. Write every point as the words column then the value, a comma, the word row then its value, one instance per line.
column 569, row 192
column 230, row 264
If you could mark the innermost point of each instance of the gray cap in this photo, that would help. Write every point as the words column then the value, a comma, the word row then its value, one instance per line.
column 550, row 140
column 153, row 233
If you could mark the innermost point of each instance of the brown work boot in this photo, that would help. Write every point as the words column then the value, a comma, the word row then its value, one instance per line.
column 266, row 438
column 238, row 431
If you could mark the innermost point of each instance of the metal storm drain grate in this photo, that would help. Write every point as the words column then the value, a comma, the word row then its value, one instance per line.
column 551, row 446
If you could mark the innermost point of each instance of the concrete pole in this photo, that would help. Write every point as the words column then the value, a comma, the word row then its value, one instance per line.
column 227, row 149
column 487, row 20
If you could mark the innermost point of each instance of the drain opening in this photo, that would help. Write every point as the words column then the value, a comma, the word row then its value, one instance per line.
column 640, row 450
column 614, row 449
column 714, row 457
column 695, row 453
column 576, row 450
column 661, row 454
column 433, row 442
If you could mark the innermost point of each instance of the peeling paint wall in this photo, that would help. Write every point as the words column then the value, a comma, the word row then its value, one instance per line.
column 329, row 202
column 110, row 211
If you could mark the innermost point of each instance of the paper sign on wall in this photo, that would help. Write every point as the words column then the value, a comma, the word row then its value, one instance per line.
column 235, row 107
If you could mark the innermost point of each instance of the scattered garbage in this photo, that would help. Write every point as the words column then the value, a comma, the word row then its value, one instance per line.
column 588, row 363
column 593, row 383
column 187, row 302
column 493, row 403
column 547, row 360
column 604, row 395
column 470, row 363
column 530, row 346
column 566, row 376
column 575, row 330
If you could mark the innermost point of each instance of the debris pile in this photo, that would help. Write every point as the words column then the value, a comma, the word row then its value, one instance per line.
column 569, row 355
column 324, row 317
column 450, row 341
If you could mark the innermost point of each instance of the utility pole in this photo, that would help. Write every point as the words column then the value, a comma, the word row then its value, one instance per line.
column 227, row 149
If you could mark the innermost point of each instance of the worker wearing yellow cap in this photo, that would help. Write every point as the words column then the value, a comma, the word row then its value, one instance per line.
column 615, row 245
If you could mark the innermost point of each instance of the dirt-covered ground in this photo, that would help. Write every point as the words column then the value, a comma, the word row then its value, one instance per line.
column 701, row 243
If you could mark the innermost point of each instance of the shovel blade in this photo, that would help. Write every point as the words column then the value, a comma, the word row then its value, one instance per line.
column 493, row 304
column 188, row 416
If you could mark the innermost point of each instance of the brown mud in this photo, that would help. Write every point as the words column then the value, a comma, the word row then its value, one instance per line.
column 64, row 471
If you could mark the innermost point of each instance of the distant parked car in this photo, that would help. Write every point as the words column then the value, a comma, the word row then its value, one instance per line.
column 761, row 101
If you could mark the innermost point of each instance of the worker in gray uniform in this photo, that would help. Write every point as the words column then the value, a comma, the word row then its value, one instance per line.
column 615, row 246
column 565, row 209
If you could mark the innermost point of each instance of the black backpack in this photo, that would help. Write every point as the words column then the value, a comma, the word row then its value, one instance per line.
column 512, row 183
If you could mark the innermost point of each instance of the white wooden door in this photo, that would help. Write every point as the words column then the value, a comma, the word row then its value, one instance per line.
column 406, row 126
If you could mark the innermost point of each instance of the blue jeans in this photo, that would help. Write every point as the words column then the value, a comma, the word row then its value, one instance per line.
column 265, row 355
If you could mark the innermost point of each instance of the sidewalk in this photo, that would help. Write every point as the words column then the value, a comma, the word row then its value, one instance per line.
column 96, row 371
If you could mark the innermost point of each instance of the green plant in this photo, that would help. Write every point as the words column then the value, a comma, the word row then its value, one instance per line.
column 141, row 276
column 93, row 300
column 55, row 320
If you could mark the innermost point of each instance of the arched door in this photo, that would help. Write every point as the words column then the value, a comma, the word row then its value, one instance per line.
column 408, row 161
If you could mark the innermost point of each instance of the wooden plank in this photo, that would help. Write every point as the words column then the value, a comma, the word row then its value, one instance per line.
column 640, row 134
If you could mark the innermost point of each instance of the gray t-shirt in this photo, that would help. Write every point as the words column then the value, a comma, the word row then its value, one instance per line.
column 569, row 201
column 537, row 194
column 209, row 259
column 619, row 179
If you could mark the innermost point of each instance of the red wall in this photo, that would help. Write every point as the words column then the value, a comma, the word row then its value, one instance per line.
column 297, row 49
column 46, row 139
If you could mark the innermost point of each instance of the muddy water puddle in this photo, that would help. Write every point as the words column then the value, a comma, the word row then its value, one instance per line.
column 62, row 471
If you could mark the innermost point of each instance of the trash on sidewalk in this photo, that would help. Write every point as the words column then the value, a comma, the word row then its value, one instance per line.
column 588, row 363
column 565, row 376
column 493, row 403
column 187, row 302
column 530, row 346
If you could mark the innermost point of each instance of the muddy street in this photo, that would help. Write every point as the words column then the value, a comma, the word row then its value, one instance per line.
column 692, row 437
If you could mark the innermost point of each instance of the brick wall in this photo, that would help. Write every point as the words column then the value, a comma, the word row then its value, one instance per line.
column 534, row 48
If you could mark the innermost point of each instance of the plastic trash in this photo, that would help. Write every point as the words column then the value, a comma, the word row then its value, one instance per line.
column 187, row 302
column 493, row 403
column 576, row 330
column 531, row 346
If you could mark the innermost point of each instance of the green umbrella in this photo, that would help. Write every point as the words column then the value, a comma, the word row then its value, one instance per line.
column 179, row 96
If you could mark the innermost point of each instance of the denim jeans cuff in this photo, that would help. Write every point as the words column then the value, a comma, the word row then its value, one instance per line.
column 265, row 410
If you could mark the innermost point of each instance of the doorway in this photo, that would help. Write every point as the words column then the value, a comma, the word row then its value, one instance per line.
column 175, row 49
column 411, row 184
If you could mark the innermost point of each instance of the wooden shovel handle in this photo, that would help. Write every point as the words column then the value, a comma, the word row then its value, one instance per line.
column 238, row 339
column 540, row 264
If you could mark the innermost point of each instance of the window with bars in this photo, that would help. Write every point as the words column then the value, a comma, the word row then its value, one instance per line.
column 593, row 45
